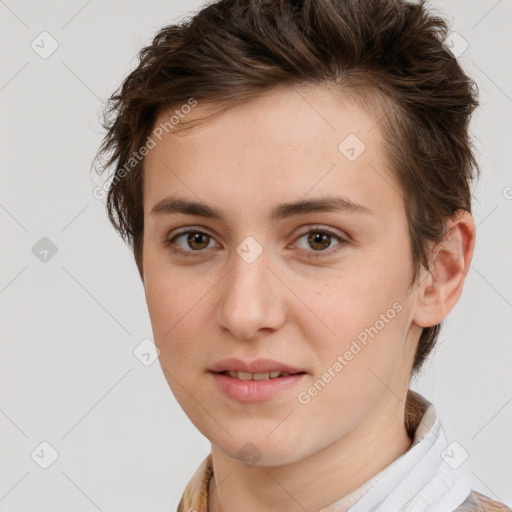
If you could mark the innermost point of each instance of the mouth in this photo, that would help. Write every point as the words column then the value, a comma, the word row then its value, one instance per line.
column 275, row 374
column 258, row 369
column 256, row 381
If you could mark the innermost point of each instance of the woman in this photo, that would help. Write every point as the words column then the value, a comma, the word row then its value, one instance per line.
column 294, row 179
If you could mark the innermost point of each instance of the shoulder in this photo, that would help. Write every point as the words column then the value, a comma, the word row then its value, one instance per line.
column 477, row 502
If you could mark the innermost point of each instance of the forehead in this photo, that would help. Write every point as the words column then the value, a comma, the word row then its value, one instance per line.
column 282, row 145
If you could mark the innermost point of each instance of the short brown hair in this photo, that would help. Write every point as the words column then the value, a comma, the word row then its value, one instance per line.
column 387, row 55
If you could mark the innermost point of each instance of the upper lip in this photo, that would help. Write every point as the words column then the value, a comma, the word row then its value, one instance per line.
column 256, row 366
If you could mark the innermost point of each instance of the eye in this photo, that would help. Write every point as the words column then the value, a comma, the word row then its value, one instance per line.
column 320, row 239
column 195, row 239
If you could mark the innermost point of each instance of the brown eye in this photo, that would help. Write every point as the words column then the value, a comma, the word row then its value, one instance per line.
column 194, row 242
column 319, row 242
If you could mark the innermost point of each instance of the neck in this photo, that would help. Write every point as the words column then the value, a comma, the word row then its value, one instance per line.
column 336, row 470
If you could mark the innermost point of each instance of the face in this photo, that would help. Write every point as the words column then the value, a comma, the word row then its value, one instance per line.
column 324, row 291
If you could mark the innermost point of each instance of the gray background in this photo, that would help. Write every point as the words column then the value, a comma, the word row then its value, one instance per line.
column 70, row 324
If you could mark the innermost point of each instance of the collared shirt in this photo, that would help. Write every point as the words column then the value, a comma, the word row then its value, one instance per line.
column 425, row 478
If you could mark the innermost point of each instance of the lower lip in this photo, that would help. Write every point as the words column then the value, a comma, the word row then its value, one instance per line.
column 255, row 390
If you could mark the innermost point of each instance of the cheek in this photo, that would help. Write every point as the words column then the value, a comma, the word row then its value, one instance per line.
column 176, row 325
column 354, row 367
column 359, row 314
column 171, row 303
column 348, row 302
column 169, row 292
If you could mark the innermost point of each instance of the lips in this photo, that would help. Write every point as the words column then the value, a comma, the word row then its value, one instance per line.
column 257, row 367
column 255, row 381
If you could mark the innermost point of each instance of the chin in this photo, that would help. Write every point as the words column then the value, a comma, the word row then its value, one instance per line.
column 259, row 450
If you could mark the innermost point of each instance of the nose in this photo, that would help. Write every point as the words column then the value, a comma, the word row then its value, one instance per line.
column 252, row 298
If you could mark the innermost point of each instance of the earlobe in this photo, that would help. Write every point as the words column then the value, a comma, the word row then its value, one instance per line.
column 451, row 258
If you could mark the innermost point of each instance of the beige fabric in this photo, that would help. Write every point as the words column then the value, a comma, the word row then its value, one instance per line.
column 477, row 502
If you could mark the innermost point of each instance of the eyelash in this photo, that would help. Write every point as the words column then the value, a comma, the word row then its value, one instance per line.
column 309, row 254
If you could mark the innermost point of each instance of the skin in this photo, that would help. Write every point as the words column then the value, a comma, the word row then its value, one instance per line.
column 278, row 148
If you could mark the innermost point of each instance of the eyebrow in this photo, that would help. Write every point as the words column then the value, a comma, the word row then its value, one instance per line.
column 170, row 205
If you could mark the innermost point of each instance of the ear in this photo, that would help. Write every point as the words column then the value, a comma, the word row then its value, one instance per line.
column 440, row 289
